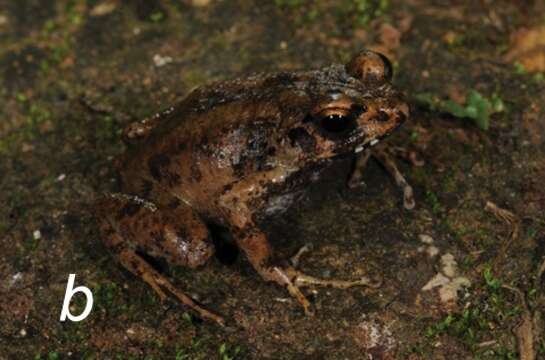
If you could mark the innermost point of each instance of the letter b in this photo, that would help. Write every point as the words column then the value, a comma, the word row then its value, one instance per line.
column 70, row 291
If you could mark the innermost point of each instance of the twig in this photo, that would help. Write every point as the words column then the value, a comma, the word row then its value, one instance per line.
column 511, row 220
column 524, row 331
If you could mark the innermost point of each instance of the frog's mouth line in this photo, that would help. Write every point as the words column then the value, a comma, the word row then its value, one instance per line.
column 371, row 143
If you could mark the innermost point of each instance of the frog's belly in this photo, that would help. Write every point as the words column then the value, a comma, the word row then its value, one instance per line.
column 278, row 204
column 281, row 201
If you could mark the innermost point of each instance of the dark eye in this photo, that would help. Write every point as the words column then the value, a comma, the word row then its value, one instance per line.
column 337, row 121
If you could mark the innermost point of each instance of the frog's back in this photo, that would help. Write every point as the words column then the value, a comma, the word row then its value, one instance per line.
column 217, row 132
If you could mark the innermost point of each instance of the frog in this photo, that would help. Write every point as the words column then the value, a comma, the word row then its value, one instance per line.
column 235, row 153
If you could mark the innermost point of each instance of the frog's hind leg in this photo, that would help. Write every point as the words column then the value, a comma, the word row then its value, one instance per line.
column 389, row 164
column 131, row 226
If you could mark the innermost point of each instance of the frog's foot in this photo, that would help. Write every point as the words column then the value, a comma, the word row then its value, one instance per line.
column 301, row 279
column 139, row 266
column 389, row 164
column 295, row 279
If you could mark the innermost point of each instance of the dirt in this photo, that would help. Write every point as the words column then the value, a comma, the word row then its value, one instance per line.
column 73, row 73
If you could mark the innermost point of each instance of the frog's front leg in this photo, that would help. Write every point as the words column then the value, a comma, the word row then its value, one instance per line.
column 389, row 164
column 258, row 251
column 251, row 239
column 131, row 226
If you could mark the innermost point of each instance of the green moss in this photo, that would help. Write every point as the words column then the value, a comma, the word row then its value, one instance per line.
column 108, row 298
column 157, row 16
column 520, row 69
column 449, row 182
column 108, row 130
column 349, row 13
column 477, row 107
column 485, row 316
column 193, row 79
column 290, row 3
column 362, row 11
column 433, row 202
column 538, row 77
column 228, row 352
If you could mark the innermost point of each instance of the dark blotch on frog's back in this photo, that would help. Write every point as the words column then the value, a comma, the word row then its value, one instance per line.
column 156, row 165
column 130, row 209
column 196, row 175
column 256, row 140
column 302, row 138
column 146, row 187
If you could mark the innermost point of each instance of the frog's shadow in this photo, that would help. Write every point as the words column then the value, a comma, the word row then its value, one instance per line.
column 226, row 250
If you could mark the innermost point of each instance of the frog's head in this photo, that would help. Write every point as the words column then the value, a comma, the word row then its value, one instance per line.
column 355, row 106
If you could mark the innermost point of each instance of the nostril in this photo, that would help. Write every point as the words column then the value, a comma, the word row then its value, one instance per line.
column 357, row 110
column 404, row 110
column 383, row 116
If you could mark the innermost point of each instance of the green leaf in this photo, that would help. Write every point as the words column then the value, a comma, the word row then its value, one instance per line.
column 454, row 108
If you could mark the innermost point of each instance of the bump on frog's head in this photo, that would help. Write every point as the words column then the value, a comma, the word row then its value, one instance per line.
column 353, row 117
column 370, row 67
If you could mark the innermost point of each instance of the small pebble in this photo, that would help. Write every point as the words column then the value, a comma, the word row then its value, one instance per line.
column 432, row 251
column 426, row 239
column 200, row 3
column 103, row 8
column 450, row 266
column 159, row 60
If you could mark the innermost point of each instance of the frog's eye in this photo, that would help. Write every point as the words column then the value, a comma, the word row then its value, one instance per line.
column 370, row 66
column 336, row 121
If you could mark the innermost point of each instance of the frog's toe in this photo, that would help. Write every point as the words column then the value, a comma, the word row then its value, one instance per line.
column 140, row 267
column 186, row 300
column 295, row 259
column 302, row 280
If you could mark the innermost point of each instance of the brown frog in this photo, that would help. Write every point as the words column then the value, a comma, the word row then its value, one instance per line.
column 235, row 152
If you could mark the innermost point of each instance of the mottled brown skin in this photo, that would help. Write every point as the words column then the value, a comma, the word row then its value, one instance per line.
column 234, row 152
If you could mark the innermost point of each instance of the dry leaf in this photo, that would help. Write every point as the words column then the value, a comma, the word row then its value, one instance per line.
column 528, row 48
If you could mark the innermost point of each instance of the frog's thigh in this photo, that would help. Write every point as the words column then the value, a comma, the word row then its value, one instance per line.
column 174, row 233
